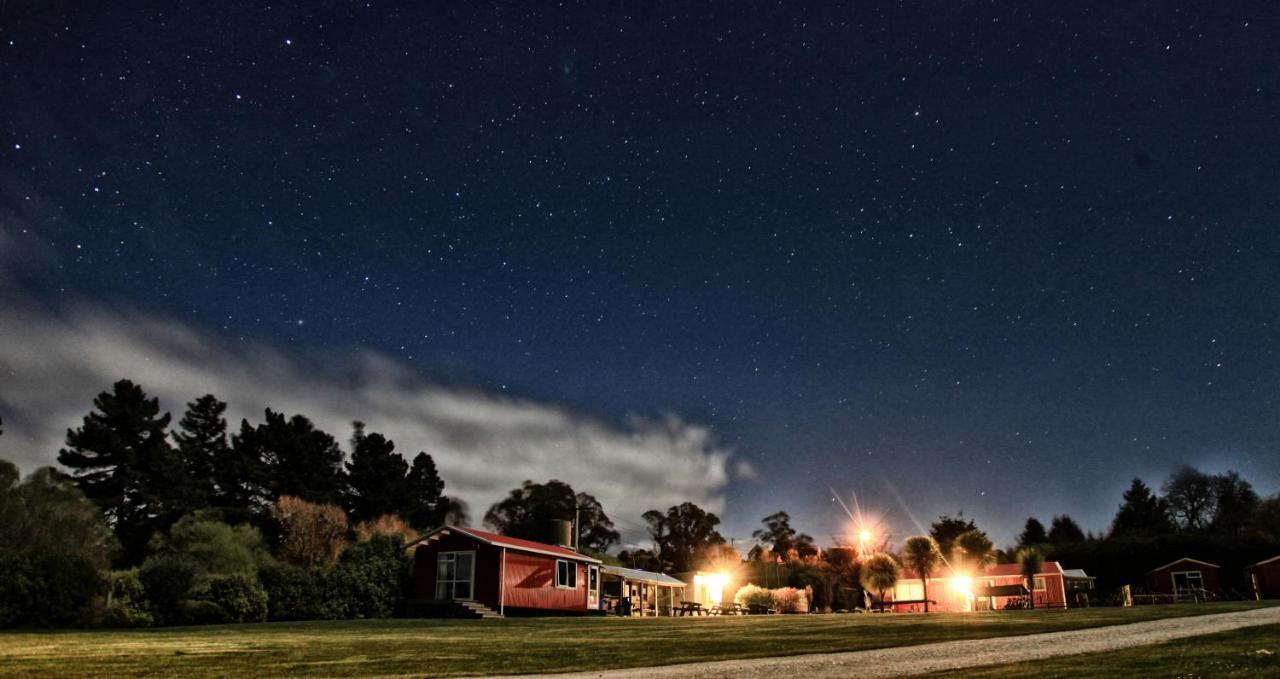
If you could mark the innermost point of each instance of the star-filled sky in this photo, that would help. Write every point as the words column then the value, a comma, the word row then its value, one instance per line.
column 981, row 257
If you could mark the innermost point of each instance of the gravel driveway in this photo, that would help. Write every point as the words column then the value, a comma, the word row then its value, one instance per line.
column 950, row 655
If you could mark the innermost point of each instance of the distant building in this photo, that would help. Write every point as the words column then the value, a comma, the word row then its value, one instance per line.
column 1264, row 578
column 997, row 587
column 465, row 571
column 1185, row 578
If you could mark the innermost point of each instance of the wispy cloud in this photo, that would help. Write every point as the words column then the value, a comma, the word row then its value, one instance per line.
column 52, row 363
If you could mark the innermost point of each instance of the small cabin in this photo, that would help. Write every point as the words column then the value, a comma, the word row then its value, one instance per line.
column 997, row 587
column 465, row 571
column 1185, row 578
column 1264, row 578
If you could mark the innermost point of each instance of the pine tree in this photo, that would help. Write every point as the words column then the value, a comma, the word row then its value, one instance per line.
column 1142, row 514
column 1033, row 533
column 120, row 457
column 426, row 506
column 295, row 459
column 202, row 446
column 1064, row 530
column 376, row 476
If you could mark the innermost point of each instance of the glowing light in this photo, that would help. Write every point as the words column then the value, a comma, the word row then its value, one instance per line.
column 865, row 536
column 963, row 584
column 713, row 584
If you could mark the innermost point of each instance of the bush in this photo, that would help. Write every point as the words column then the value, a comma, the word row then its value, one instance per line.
column 291, row 592
column 203, row 612
column 168, row 582
column 46, row 591
column 372, row 577
column 790, row 600
column 751, row 595
column 127, row 604
column 240, row 596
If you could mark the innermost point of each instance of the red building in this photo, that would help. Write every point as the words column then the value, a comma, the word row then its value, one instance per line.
column 465, row 569
column 1264, row 578
column 997, row 587
column 1185, row 578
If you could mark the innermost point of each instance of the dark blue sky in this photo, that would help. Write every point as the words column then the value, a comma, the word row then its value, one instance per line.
column 997, row 258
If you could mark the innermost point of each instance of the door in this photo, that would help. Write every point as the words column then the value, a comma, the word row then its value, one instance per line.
column 455, row 576
column 593, row 587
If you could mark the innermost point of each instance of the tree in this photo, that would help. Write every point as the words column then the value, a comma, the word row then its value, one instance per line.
column 1141, row 514
column 1033, row 533
column 1264, row 525
column 1064, row 530
column 1189, row 493
column 213, row 546
column 56, row 545
column 879, row 574
column 376, row 477
column 1235, row 502
column 120, row 457
column 387, row 524
column 528, row 512
column 426, row 505
column 947, row 528
column 202, row 447
column 297, row 459
column 643, row 559
column 681, row 533
column 921, row 554
column 1030, row 560
column 310, row 533
column 974, row 549
column 783, row 540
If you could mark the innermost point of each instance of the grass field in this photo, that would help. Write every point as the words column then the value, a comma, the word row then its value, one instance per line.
column 1229, row 654
column 457, row 647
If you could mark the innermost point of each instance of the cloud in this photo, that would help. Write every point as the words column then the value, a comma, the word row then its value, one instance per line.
column 53, row 362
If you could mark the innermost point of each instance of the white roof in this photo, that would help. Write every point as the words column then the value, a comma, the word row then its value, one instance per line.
column 1074, row 573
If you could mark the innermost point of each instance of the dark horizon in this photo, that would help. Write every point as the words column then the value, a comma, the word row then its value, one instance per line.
column 996, row 260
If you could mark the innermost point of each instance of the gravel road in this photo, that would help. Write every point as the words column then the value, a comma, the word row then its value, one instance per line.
column 950, row 655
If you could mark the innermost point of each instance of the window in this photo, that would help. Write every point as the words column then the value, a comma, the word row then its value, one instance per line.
column 455, row 572
column 909, row 591
column 1187, row 580
column 566, row 574
column 1038, row 583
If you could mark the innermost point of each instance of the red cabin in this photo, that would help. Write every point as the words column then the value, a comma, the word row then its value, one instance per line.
column 463, row 570
column 1185, row 579
column 1264, row 578
column 997, row 587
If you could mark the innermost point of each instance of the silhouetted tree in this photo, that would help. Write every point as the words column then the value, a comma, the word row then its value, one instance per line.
column 1064, row 529
column 1142, row 514
column 1235, row 501
column 203, row 448
column 879, row 574
column 1264, row 524
column 376, row 477
column 1189, row 493
column 120, row 457
column 1033, row 533
column 426, row 505
column 643, row 559
column 297, row 459
column 681, row 534
column 783, row 540
column 947, row 528
column 528, row 512
column 1030, row 560
column 974, row 549
column 921, row 554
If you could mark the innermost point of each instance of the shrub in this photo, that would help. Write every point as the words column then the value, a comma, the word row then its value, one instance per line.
column 127, row 604
column 168, row 581
column 291, row 592
column 310, row 533
column 214, row 546
column 46, row 591
column 387, row 524
column 790, row 600
column 240, row 595
column 369, row 580
column 203, row 612
column 751, row 595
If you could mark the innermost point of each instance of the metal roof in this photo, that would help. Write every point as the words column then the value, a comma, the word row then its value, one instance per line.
column 644, row 576
column 1074, row 573
column 508, row 542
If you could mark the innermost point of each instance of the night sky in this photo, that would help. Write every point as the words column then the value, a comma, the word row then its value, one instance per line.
column 959, row 256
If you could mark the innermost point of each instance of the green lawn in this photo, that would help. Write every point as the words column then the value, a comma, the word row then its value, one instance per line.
column 455, row 647
column 1227, row 654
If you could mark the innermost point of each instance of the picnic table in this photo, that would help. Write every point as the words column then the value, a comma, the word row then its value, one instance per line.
column 690, row 608
column 730, row 609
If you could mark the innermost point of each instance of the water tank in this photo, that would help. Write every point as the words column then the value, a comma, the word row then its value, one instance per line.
column 562, row 533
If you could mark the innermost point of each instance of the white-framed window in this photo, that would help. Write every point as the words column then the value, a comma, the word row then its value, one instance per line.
column 455, row 575
column 566, row 574
column 1187, row 580
column 1038, row 583
column 909, row 591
